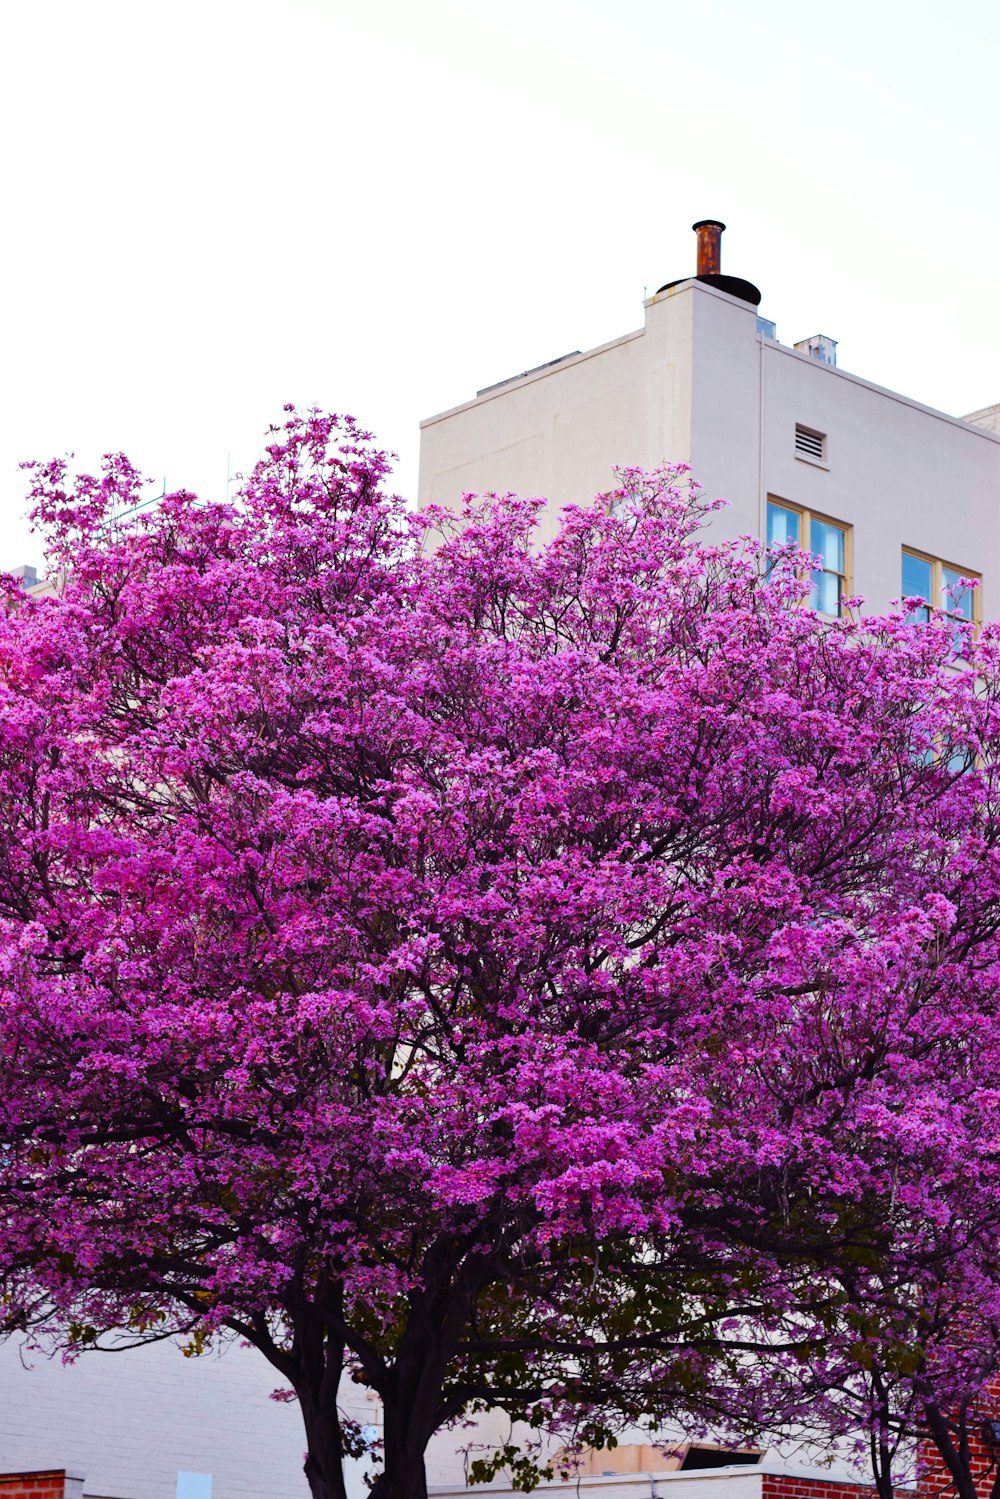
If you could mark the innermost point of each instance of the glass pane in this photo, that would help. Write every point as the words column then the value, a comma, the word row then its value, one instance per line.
column 782, row 526
column 194, row 1486
column 824, row 594
column 828, row 542
column 917, row 578
column 917, row 583
column 956, row 597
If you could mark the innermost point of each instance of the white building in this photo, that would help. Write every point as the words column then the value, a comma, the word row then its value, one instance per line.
column 898, row 498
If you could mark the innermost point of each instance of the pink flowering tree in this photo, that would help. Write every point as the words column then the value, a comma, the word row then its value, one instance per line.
column 911, row 1369
column 499, row 975
column 903, row 1363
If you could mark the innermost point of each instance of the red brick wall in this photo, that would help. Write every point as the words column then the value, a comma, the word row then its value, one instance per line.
column 935, row 1482
column 933, row 1479
column 49, row 1483
column 787, row 1486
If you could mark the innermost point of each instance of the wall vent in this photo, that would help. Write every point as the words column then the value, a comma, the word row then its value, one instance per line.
column 810, row 444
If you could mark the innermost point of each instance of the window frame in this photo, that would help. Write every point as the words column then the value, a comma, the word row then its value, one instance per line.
column 938, row 566
column 806, row 516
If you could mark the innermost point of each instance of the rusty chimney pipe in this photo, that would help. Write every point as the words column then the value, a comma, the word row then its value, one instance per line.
column 709, row 232
column 709, row 272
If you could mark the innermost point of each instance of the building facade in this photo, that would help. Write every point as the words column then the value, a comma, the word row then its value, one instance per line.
column 897, row 498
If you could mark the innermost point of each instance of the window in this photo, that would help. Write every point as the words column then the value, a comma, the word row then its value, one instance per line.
column 194, row 1486
column 942, row 586
column 809, row 444
column 827, row 540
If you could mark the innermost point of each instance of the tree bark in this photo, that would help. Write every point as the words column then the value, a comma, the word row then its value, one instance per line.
column 411, row 1388
column 403, row 1478
column 881, row 1446
column 324, row 1464
column 881, row 1458
column 410, row 1414
column 320, row 1361
column 955, row 1458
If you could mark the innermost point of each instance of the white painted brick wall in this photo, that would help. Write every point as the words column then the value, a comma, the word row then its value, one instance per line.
column 131, row 1421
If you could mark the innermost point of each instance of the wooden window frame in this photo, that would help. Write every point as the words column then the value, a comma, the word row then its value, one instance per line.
column 938, row 566
column 806, row 517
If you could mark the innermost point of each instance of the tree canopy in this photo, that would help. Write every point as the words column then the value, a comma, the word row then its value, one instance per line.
column 504, row 975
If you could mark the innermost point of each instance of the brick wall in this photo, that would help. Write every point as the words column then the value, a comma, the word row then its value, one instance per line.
column 790, row 1486
column 933, row 1479
column 45, row 1483
column 131, row 1421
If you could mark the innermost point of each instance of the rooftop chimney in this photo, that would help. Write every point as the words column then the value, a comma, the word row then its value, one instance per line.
column 820, row 347
column 709, row 232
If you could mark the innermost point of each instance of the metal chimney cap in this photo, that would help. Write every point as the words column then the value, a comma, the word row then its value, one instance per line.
column 709, row 265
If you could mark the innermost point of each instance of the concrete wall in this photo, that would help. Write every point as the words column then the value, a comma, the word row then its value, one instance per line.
column 770, row 1480
column 745, row 1483
column 698, row 384
column 725, row 402
column 130, row 1422
column 561, row 431
column 900, row 473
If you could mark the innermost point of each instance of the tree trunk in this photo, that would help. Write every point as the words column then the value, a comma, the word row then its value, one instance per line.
column 955, row 1457
column 404, row 1475
column 409, row 1424
column 881, row 1455
column 324, row 1464
column 404, row 1479
column 882, row 1450
column 412, row 1397
column 410, row 1388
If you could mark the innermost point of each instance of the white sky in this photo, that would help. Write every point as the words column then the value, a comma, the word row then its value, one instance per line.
column 214, row 207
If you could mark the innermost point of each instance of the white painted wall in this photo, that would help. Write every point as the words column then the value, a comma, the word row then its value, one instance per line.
column 718, row 1483
column 900, row 473
column 726, row 1483
column 129, row 1422
column 560, row 432
column 698, row 384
